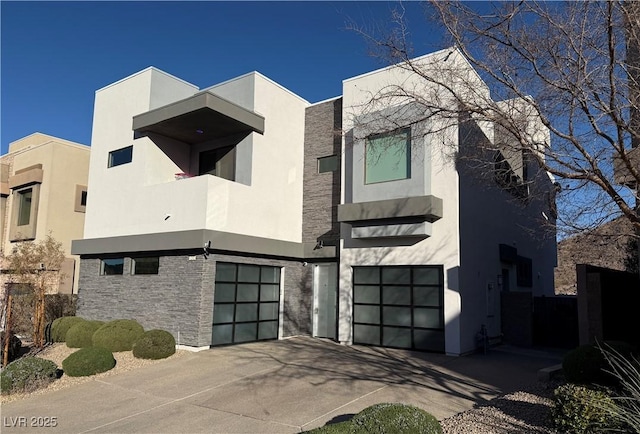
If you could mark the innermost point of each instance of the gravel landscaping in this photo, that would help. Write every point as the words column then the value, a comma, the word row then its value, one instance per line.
column 520, row 412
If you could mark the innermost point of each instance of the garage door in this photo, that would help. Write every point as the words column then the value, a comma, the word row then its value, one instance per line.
column 245, row 303
column 399, row 307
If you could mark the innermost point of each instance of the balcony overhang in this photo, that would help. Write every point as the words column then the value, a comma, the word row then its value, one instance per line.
column 418, row 208
column 621, row 173
column 199, row 118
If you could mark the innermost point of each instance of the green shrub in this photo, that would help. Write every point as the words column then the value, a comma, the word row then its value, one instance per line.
column 80, row 334
column 28, row 374
column 587, row 365
column 88, row 361
column 154, row 344
column 394, row 419
column 15, row 345
column 118, row 335
column 61, row 326
column 580, row 409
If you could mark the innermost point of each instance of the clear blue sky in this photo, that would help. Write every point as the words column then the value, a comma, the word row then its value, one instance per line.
column 55, row 55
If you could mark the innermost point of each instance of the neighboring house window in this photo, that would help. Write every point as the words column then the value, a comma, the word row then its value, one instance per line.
column 220, row 162
column 388, row 156
column 524, row 271
column 25, row 199
column 120, row 156
column 328, row 164
column 145, row 265
column 113, row 266
column 80, row 204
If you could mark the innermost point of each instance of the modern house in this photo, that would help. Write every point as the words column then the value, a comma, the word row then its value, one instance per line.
column 43, row 191
column 242, row 212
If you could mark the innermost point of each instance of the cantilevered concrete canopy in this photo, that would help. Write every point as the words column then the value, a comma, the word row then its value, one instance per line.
column 199, row 118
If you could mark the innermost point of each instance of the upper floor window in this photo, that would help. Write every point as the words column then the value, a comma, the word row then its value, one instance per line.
column 113, row 266
column 220, row 162
column 120, row 156
column 80, row 204
column 328, row 164
column 388, row 156
column 25, row 198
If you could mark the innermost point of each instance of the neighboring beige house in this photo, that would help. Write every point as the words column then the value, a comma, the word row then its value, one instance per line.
column 43, row 190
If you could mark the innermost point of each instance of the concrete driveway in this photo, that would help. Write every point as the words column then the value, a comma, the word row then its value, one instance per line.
column 273, row 387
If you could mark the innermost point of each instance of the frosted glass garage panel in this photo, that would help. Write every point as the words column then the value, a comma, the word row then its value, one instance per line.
column 246, row 332
column 366, row 294
column 365, row 334
column 270, row 275
column 225, row 272
column 269, row 292
column 427, row 318
column 427, row 296
column 426, row 276
column 248, row 273
column 268, row 311
column 246, row 312
column 366, row 275
column 396, row 295
column 223, row 313
column 225, row 292
column 222, row 334
column 248, row 292
column 368, row 314
column 396, row 337
column 268, row 330
column 396, row 275
column 398, row 316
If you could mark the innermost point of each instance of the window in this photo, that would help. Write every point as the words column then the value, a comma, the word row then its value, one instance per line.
column 220, row 162
column 80, row 204
column 524, row 271
column 120, row 156
column 24, row 198
column 110, row 267
column 399, row 307
column 388, row 156
column 328, row 164
column 145, row 265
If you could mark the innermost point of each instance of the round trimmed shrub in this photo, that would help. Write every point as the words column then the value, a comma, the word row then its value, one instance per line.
column 154, row 344
column 80, row 334
column 118, row 335
column 586, row 364
column 580, row 409
column 392, row 418
column 61, row 326
column 88, row 361
column 28, row 374
column 583, row 365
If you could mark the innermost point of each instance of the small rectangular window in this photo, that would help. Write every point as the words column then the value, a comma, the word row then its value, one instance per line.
column 388, row 156
column 83, row 198
column 24, row 206
column 112, row 266
column 145, row 265
column 80, row 204
column 120, row 156
column 524, row 271
column 328, row 164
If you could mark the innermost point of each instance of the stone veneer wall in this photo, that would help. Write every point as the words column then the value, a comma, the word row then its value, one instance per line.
column 179, row 298
column 321, row 191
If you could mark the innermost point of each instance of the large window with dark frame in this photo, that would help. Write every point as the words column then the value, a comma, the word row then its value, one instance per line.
column 388, row 156
column 245, row 304
column 147, row 265
column 399, row 307
column 25, row 199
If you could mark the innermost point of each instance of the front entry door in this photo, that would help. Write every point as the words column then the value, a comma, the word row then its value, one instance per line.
column 325, row 285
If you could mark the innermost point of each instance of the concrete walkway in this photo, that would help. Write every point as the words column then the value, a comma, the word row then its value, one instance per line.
column 274, row 387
